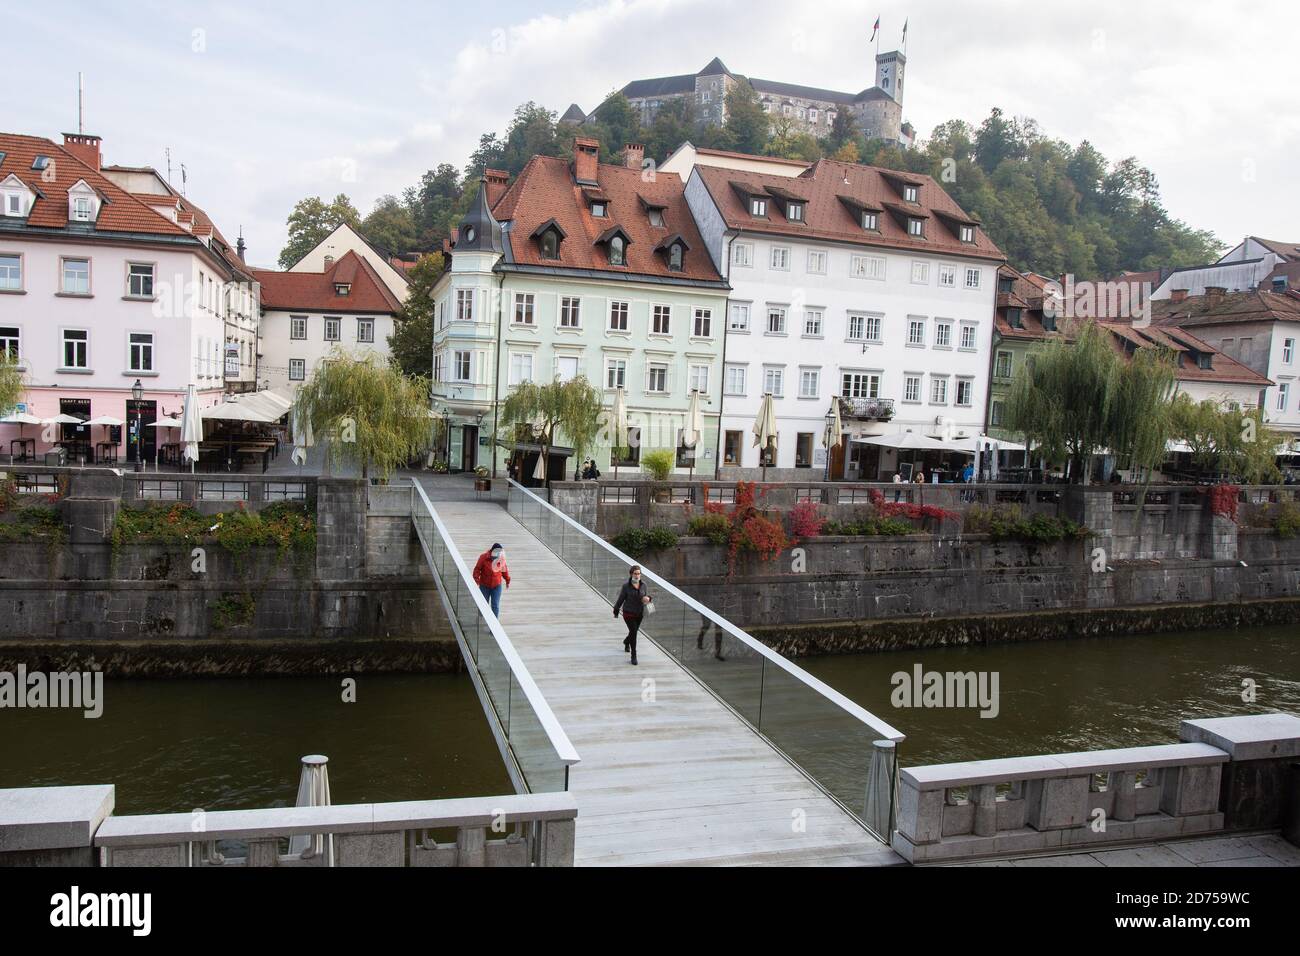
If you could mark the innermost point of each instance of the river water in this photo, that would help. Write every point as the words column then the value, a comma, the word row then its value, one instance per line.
column 177, row 745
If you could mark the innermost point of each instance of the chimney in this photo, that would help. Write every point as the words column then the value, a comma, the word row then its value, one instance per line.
column 1215, row 292
column 498, row 181
column 85, row 147
column 329, row 261
column 586, row 156
column 240, row 247
column 1177, row 295
column 633, row 153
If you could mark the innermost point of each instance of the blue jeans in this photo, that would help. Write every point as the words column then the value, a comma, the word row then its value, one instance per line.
column 493, row 597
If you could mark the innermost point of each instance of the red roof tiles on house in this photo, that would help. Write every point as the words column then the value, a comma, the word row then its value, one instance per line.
column 119, row 212
column 546, row 190
column 314, row 291
column 834, row 189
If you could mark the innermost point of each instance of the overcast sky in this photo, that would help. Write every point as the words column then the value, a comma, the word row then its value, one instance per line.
column 265, row 103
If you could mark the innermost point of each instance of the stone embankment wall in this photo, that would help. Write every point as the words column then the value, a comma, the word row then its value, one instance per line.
column 362, row 601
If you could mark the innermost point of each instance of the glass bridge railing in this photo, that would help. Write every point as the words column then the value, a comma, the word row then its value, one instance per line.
column 851, row 754
column 536, row 749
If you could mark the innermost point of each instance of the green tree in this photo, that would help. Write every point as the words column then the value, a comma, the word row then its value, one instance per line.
column 390, row 225
column 616, row 125
column 11, row 383
column 1225, row 439
column 570, row 410
column 311, row 221
column 674, row 124
column 411, row 343
column 747, row 125
column 434, row 202
column 367, row 411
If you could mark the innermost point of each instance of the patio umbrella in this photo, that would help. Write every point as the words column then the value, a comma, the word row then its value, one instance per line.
column 171, row 421
column 107, row 421
column 764, row 430
column 21, row 419
column 313, row 791
column 540, row 471
column 302, row 438
column 191, row 428
column 694, row 429
column 620, row 426
column 834, row 433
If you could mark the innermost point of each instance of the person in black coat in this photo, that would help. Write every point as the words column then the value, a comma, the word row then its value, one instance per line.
column 632, row 600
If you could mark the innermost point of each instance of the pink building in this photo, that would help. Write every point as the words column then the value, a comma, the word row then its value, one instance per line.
column 102, row 287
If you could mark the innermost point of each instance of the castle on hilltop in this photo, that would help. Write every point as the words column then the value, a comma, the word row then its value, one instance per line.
column 877, row 111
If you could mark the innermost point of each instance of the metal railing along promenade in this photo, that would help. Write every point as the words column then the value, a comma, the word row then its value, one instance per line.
column 849, row 753
column 536, row 750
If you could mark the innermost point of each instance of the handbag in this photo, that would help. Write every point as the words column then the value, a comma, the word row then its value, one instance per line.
column 650, row 606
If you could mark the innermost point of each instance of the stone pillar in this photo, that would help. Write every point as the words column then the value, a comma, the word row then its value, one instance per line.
column 52, row 826
column 1253, row 789
column 340, row 529
column 1222, row 539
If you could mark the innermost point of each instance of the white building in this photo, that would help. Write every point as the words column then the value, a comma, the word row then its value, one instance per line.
column 853, row 283
column 345, row 239
column 100, row 290
column 1240, row 269
column 306, row 316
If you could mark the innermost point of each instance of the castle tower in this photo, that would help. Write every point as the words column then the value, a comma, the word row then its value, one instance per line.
column 889, row 74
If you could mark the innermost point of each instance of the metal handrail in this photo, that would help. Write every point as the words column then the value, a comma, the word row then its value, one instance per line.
column 859, row 713
column 559, row 740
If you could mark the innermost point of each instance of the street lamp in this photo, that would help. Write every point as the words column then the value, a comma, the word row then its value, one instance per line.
column 830, row 424
column 137, row 393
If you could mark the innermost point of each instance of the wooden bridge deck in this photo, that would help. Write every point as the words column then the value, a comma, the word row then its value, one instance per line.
column 675, row 780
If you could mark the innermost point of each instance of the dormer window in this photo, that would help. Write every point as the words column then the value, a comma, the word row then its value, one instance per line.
column 81, row 208
column 674, row 249
column 675, row 257
column 968, row 234
column 870, row 221
column 617, row 251
column 83, row 203
column 1013, row 318
column 342, row 288
column 1004, row 285
column 470, row 233
column 910, row 192
column 656, row 217
column 1049, row 321
column 550, row 245
column 598, row 209
column 794, row 212
column 757, row 207
column 1203, row 359
column 916, row 227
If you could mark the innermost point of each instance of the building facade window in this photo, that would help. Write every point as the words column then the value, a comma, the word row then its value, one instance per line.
column 816, row 262
column 775, row 320
column 947, row 277
column 921, row 273
column 943, row 335
column 140, row 349
column 758, row 208
column 912, row 388
column 871, row 221
column 968, row 337
column 867, row 267
column 11, row 272
column 661, row 319
column 465, row 305
column 365, row 330
column 780, row 258
column 774, row 382
column 739, row 321
column 938, row 390
column 521, row 367
column 297, row 370
column 699, row 379
column 1002, row 365
column 742, row 254
column 333, row 329
column 566, row 368
column 968, row 234
column 297, row 327
column 809, row 382
column 618, row 316
column 916, row 227
column 76, row 276
column 703, row 323
column 732, row 448
column 460, row 366
column 10, row 342
column 735, row 380
column 803, row 449
column 1283, row 396
column 965, row 392
column 617, row 248
column 656, row 378
column 860, row 385
column 523, row 308
column 910, row 193
column 812, row 322
column 139, row 280
column 916, row 332
column 972, row 278
column 570, row 312
column 1288, row 350
column 616, row 373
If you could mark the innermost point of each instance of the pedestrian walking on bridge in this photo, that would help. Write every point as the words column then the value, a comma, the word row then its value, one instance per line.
column 489, row 573
column 635, row 602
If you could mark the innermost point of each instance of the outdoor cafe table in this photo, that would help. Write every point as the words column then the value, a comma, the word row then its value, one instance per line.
column 106, row 452
column 257, row 448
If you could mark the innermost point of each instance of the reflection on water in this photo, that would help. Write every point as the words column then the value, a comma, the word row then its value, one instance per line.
column 1085, row 694
column 174, row 745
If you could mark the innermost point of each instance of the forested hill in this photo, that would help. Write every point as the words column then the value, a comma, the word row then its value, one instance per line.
column 1050, row 206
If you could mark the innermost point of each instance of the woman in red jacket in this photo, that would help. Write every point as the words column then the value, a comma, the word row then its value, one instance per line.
column 489, row 572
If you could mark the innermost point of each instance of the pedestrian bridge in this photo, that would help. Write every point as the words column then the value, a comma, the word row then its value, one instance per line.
column 713, row 750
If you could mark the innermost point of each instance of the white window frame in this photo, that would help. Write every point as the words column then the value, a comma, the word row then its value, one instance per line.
column 464, row 305
column 757, row 207
column 867, row 267
column 570, row 312
column 698, row 380
column 16, row 341
column 657, row 373
column 17, row 268
column 809, row 376
column 145, row 348
column 1283, row 395
column 85, row 348
column 742, row 254
column 912, row 387
column 131, row 276
column 916, row 227
column 336, row 322
column 774, row 375
column 858, row 319
column 736, row 307
column 702, row 324
column 912, row 322
column 920, row 272
column 558, row 374
column 817, row 262
column 294, row 334
column 63, row 275
column 525, row 310
column 860, row 383
column 947, row 277
column 784, row 253
column 621, row 309
column 366, row 331
column 969, row 330
column 518, row 374
column 911, row 193
column 1288, row 351
column 301, row 366
column 661, row 319
column 972, row 273
column 938, row 389
column 967, row 234
column 969, row 384
column 998, row 363
column 615, row 373
column 733, row 372
column 457, row 375
column 814, row 323
column 943, row 333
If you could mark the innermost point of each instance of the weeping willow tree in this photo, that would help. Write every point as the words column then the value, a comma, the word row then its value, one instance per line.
column 367, row 412
column 1077, row 396
column 571, row 409
column 1226, row 439
column 11, row 383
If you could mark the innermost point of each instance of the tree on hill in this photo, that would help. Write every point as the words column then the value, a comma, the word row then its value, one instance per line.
column 311, row 221
column 433, row 203
column 411, row 343
column 747, row 125
column 390, row 225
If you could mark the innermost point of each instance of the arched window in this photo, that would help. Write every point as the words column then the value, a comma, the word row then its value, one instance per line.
column 675, row 257
column 550, row 245
column 616, row 251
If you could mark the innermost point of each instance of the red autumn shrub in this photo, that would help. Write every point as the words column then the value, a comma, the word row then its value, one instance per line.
column 806, row 520
column 1224, row 500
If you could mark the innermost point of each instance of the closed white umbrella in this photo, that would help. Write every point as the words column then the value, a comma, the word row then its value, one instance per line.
column 834, row 434
column 620, row 426
column 191, row 428
column 540, row 471
column 313, row 791
column 302, row 437
column 765, row 429
column 694, row 429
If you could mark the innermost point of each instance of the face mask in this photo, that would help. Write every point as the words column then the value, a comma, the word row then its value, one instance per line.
column 498, row 555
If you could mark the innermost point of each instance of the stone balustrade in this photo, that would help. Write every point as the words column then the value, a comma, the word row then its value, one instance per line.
column 1059, row 802
column 74, row 826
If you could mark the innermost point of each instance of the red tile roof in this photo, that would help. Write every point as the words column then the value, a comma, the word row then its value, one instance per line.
column 1222, row 367
column 545, row 190
column 833, row 188
column 1253, row 306
column 120, row 212
column 314, row 291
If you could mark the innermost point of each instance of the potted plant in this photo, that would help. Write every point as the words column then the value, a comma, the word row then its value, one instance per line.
column 481, row 480
column 660, row 464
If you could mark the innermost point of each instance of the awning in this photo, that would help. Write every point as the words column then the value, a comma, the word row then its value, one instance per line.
column 265, row 407
column 905, row 441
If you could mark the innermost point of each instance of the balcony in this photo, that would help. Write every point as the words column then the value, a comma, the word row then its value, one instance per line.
column 867, row 409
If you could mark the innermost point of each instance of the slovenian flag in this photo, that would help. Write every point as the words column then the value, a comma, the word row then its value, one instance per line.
column 875, row 29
